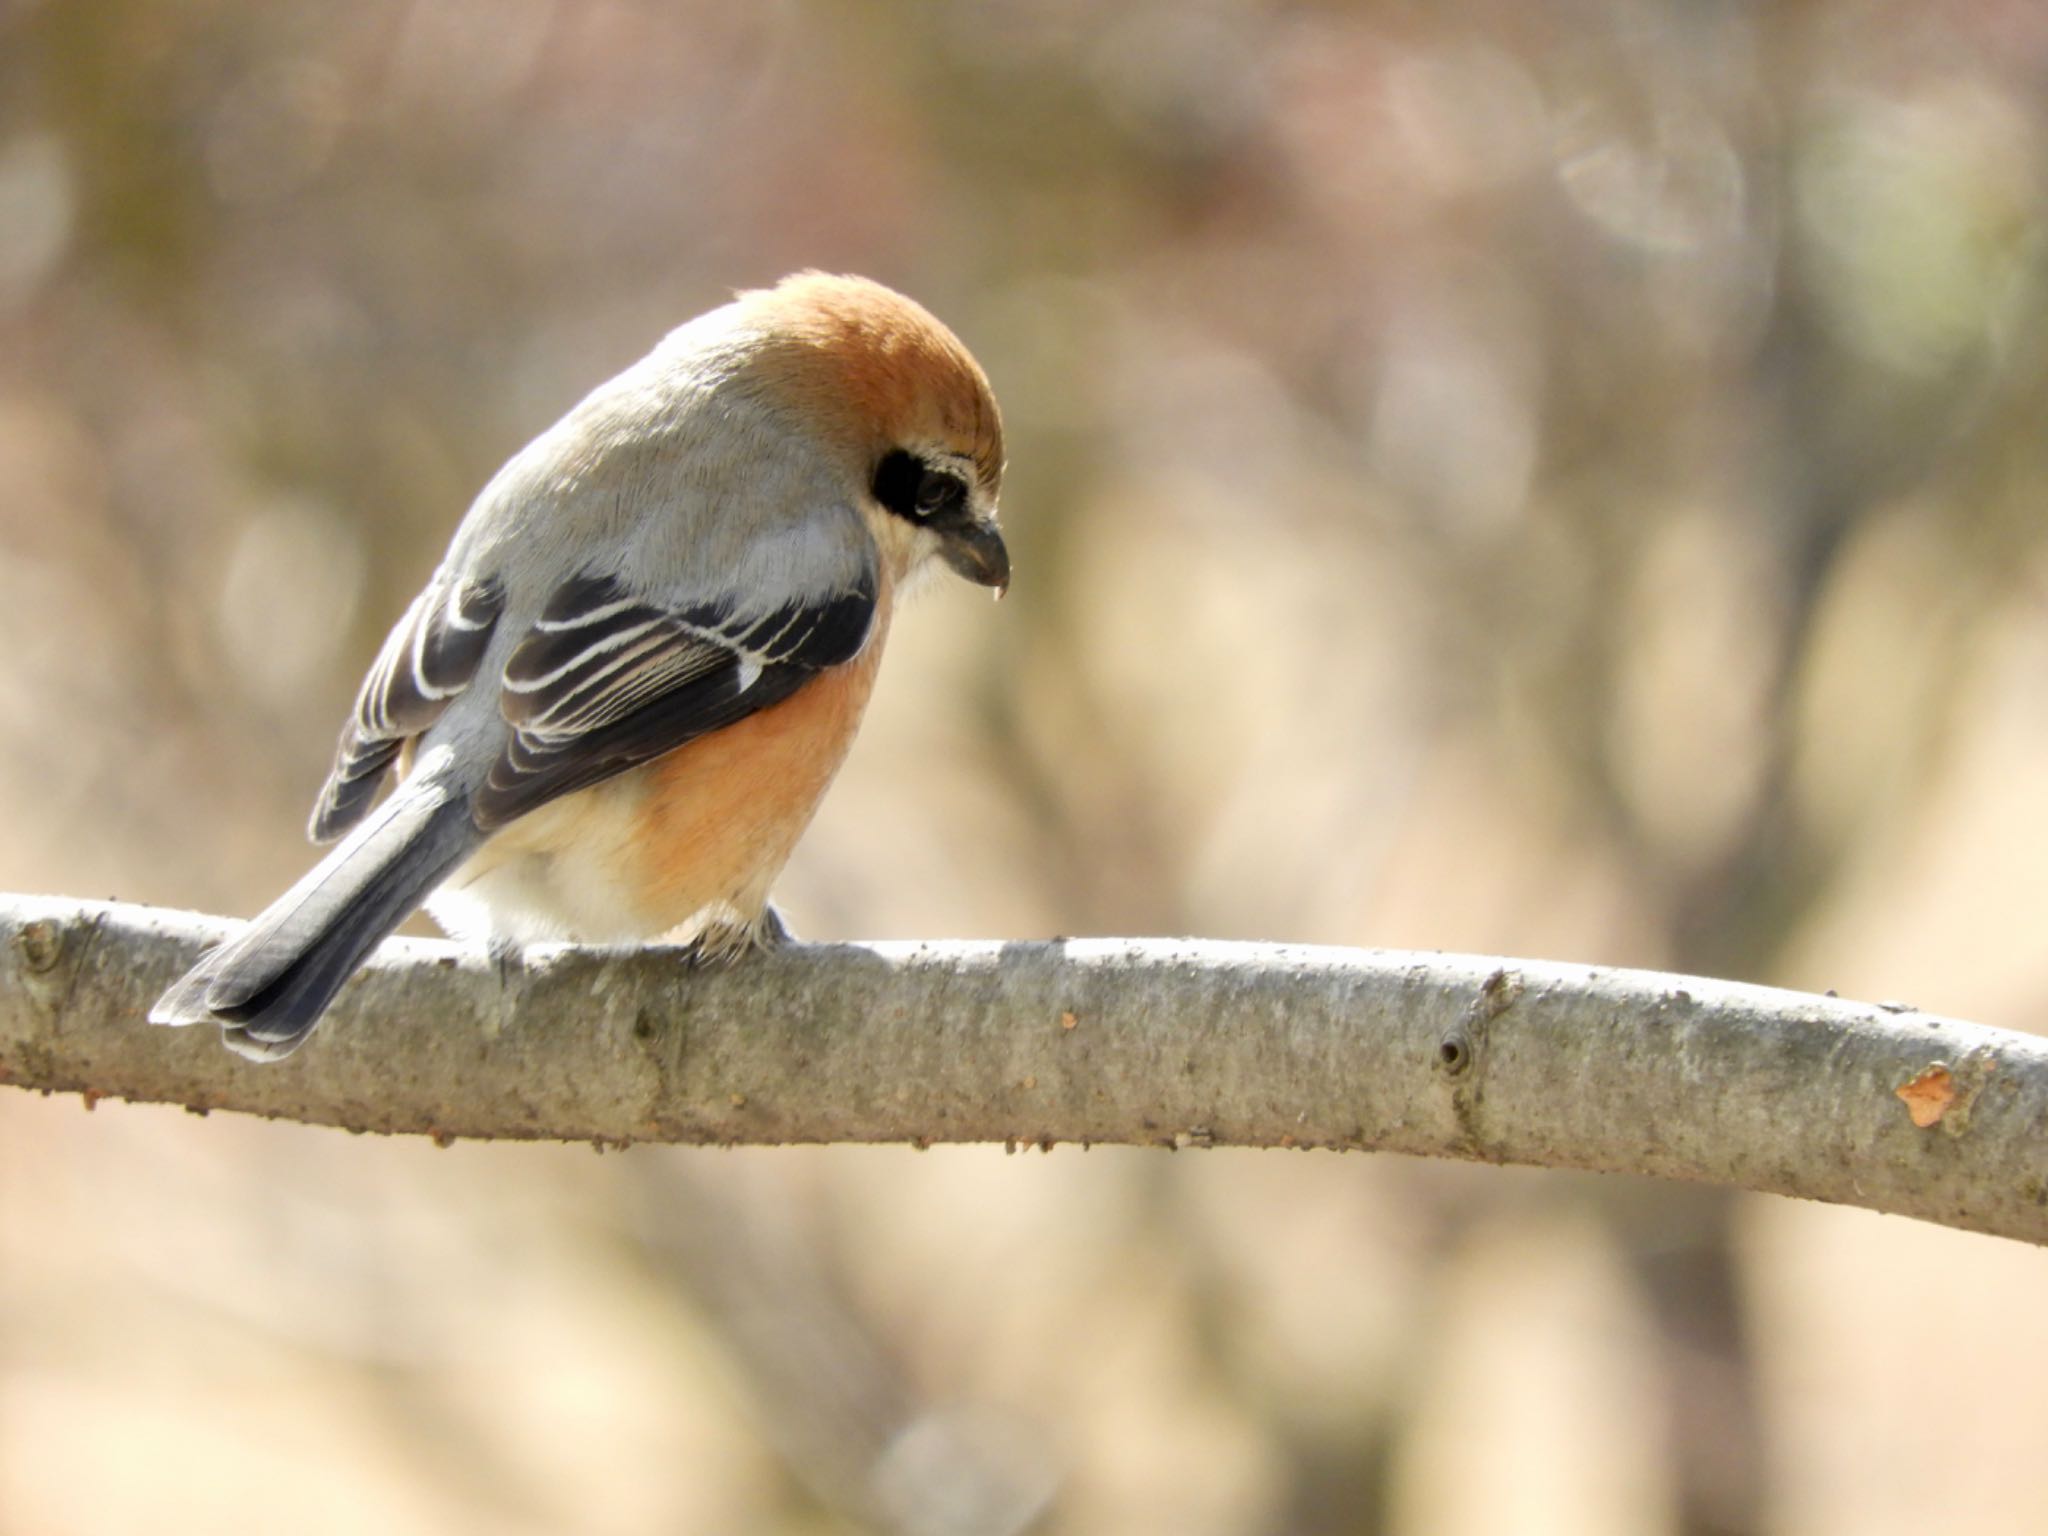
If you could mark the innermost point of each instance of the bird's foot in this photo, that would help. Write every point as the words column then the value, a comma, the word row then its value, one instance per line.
column 507, row 957
column 726, row 938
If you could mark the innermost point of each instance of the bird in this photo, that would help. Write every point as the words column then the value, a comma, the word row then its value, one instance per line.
column 619, row 699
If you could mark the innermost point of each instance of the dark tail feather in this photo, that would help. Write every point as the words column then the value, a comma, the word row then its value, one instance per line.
column 267, row 987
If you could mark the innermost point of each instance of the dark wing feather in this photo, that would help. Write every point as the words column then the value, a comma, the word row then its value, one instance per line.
column 605, row 680
column 430, row 656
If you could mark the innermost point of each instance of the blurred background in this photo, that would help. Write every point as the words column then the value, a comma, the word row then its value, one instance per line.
column 1559, row 481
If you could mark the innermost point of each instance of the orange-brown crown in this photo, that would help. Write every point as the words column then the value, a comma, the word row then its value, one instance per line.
column 877, row 367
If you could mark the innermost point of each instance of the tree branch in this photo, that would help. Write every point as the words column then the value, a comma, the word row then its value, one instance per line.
column 1158, row 1042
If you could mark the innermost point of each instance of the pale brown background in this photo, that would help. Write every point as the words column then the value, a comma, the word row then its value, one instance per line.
column 1560, row 480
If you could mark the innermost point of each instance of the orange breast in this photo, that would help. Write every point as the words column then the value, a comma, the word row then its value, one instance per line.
column 720, row 817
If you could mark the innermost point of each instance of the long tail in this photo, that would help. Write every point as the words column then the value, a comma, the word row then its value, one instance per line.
column 267, row 987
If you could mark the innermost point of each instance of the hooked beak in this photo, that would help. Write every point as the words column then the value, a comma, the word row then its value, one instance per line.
column 976, row 550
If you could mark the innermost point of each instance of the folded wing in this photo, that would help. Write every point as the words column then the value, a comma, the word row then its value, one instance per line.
column 430, row 657
column 607, row 679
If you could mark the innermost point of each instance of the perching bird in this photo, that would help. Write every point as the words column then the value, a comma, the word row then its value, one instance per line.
column 622, row 695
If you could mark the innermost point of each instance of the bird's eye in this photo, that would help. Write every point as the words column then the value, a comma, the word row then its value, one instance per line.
column 939, row 493
column 912, row 489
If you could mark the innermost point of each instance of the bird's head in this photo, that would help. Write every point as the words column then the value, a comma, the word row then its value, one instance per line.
column 898, row 393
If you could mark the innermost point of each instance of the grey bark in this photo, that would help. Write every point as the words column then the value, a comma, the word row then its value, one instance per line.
column 1174, row 1043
